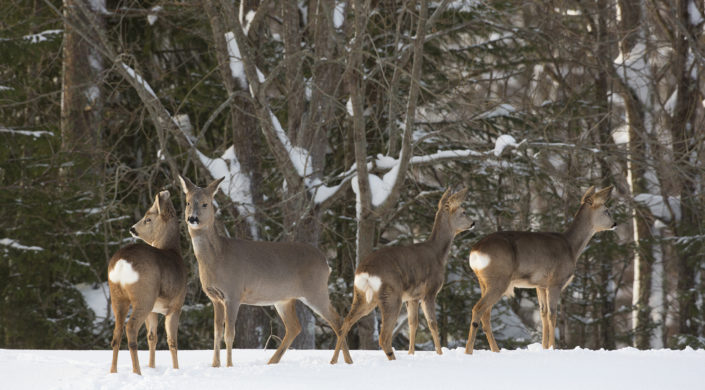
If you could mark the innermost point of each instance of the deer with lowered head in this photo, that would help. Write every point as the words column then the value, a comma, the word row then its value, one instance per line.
column 151, row 278
column 541, row 260
column 235, row 272
column 414, row 273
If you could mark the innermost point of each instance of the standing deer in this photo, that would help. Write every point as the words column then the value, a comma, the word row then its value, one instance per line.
column 412, row 273
column 150, row 278
column 541, row 260
column 235, row 272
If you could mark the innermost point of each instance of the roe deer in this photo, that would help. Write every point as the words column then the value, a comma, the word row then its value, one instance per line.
column 412, row 273
column 541, row 260
column 152, row 279
column 235, row 272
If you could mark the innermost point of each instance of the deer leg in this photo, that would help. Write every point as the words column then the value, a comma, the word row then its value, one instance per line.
column 554, row 294
column 151, row 323
column 429, row 311
column 389, row 309
column 489, row 297
column 120, row 308
column 320, row 304
column 137, row 318
column 487, row 327
column 412, row 311
column 542, row 296
column 231, row 309
column 287, row 312
column 359, row 308
column 218, row 323
column 172, row 327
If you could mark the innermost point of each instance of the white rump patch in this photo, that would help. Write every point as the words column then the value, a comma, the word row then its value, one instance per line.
column 367, row 283
column 478, row 260
column 123, row 273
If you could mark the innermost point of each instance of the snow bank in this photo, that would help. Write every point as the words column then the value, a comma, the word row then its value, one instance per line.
column 531, row 368
column 96, row 297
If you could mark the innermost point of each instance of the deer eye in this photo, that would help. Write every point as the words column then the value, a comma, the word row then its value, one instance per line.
column 148, row 220
column 205, row 205
column 187, row 203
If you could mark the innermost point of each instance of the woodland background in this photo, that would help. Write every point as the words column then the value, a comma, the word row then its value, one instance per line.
column 340, row 123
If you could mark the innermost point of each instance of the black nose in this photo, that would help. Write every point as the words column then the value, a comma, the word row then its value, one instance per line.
column 193, row 220
column 133, row 231
column 614, row 225
column 472, row 225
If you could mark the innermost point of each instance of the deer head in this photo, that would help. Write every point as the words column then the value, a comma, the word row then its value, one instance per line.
column 157, row 221
column 450, row 212
column 199, row 211
column 593, row 202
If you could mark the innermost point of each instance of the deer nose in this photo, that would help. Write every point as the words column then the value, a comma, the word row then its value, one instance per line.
column 472, row 225
column 193, row 220
column 614, row 225
column 133, row 231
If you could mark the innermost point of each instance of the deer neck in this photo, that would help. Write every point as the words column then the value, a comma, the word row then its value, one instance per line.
column 441, row 237
column 580, row 231
column 170, row 240
column 207, row 245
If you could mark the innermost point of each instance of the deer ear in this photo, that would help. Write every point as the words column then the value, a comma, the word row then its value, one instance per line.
column 161, row 202
column 602, row 196
column 186, row 185
column 213, row 187
column 444, row 198
column 587, row 198
column 456, row 199
column 157, row 204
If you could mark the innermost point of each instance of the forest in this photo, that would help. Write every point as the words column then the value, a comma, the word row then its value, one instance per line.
column 340, row 124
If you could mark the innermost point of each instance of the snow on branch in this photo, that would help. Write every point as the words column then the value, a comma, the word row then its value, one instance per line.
column 16, row 245
column 139, row 79
column 41, row 36
column 36, row 134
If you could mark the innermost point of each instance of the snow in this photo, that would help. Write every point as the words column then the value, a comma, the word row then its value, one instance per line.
column 152, row 16
column 694, row 13
column 236, row 68
column 339, row 14
column 657, row 206
column 139, row 79
column 501, row 110
column 502, row 142
column 42, row 36
column 635, row 71
column 245, row 19
column 620, row 135
column 531, row 368
column 16, row 245
column 96, row 297
column 35, row 134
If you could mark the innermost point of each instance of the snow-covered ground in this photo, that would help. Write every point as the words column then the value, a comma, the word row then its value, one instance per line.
column 530, row 368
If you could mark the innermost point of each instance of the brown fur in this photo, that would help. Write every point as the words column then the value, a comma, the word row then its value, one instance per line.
column 542, row 260
column 161, row 282
column 235, row 272
column 411, row 274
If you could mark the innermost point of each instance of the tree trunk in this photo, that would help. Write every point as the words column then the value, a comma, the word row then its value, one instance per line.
column 685, row 149
column 81, row 93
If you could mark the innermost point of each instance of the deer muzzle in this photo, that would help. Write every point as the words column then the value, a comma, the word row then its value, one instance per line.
column 133, row 231
column 192, row 220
